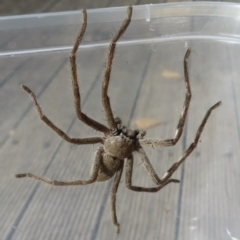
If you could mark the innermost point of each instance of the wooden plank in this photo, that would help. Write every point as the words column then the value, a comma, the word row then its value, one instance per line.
column 21, row 71
column 17, row 7
column 44, row 144
column 12, row 87
column 13, row 7
column 209, row 185
column 90, row 202
column 209, row 178
column 203, row 194
column 65, row 5
column 48, row 146
column 155, row 214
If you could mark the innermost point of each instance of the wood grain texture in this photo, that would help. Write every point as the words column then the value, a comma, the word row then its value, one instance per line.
column 14, row 7
column 204, row 205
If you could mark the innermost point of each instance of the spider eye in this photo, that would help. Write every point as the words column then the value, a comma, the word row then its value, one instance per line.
column 124, row 129
column 141, row 134
column 131, row 133
column 117, row 120
column 136, row 132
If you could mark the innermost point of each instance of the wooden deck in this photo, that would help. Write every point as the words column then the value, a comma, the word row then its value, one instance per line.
column 12, row 7
column 147, row 85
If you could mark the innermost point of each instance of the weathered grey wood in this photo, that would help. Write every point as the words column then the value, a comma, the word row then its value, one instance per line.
column 147, row 82
column 48, row 148
column 13, row 7
column 215, row 156
column 48, row 142
column 67, row 168
column 145, row 208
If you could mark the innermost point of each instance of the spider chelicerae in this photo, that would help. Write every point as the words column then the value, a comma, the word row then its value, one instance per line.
column 119, row 142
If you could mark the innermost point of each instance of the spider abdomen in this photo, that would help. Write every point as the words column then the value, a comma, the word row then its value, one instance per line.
column 118, row 146
column 108, row 167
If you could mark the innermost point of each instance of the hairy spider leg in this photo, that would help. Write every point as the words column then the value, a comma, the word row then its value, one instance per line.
column 92, row 178
column 61, row 133
column 182, row 119
column 77, row 98
column 105, row 99
column 113, row 198
column 169, row 173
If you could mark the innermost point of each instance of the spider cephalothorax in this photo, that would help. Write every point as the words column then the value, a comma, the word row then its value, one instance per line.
column 122, row 144
column 118, row 141
column 124, row 131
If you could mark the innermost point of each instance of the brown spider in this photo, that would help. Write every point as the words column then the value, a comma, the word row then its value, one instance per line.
column 118, row 141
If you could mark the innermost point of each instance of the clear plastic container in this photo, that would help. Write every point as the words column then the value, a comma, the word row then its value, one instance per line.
column 147, row 90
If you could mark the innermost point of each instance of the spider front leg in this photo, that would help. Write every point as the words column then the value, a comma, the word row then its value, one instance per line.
column 113, row 198
column 182, row 119
column 169, row 173
column 77, row 98
column 105, row 99
column 128, row 179
column 58, row 130
column 175, row 166
column 92, row 178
